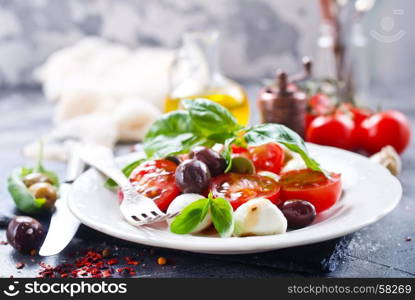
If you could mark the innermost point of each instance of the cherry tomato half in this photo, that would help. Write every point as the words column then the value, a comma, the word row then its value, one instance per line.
column 239, row 188
column 311, row 186
column 155, row 179
column 332, row 130
column 390, row 127
column 267, row 157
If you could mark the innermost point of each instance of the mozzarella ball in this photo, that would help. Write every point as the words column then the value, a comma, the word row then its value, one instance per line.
column 259, row 217
column 183, row 200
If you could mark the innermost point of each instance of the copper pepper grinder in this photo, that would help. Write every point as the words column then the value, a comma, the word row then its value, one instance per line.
column 283, row 104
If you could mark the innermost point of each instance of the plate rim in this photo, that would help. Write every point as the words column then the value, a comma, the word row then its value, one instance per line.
column 247, row 244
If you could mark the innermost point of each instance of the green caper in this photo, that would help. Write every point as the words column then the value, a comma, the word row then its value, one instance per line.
column 33, row 178
column 242, row 165
column 45, row 190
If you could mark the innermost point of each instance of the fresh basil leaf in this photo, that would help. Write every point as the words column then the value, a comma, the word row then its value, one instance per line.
column 209, row 117
column 171, row 134
column 222, row 216
column 127, row 170
column 190, row 217
column 266, row 133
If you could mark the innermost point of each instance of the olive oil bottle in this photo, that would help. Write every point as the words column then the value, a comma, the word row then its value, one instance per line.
column 195, row 73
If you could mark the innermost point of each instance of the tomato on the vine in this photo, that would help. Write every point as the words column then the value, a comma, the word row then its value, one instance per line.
column 155, row 179
column 389, row 127
column 317, row 105
column 239, row 188
column 311, row 186
column 267, row 157
column 332, row 130
column 358, row 115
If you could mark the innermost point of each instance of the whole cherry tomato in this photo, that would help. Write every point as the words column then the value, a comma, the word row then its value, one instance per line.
column 319, row 104
column 155, row 179
column 389, row 127
column 239, row 188
column 358, row 114
column 311, row 186
column 332, row 130
column 267, row 157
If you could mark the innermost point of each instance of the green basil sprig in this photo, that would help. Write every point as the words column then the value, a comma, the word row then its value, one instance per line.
column 192, row 215
column 20, row 193
column 205, row 123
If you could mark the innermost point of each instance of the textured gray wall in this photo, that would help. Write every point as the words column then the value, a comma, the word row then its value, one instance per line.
column 258, row 36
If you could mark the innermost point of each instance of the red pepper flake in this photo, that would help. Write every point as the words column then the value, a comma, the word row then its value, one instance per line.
column 20, row 265
column 113, row 261
column 90, row 264
column 161, row 261
column 131, row 261
column 3, row 243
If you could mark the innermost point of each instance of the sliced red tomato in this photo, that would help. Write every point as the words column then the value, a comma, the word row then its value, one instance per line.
column 155, row 179
column 267, row 157
column 239, row 188
column 238, row 149
column 311, row 186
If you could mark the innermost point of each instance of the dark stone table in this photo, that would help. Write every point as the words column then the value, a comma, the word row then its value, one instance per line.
column 380, row 250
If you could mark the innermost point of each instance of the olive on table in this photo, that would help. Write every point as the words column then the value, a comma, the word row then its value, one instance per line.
column 214, row 161
column 192, row 176
column 33, row 178
column 299, row 213
column 25, row 234
column 44, row 190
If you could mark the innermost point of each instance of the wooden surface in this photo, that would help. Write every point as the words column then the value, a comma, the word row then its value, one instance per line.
column 379, row 250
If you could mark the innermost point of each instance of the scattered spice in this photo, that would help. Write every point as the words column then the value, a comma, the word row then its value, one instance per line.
column 3, row 243
column 131, row 261
column 161, row 261
column 408, row 239
column 91, row 265
column 33, row 252
column 106, row 253
column 113, row 261
column 20, row 265
column 126, row 271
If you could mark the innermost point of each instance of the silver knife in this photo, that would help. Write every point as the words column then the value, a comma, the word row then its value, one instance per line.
column 63, row 224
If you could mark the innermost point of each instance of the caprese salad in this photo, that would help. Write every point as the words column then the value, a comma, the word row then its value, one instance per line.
column 239, row 181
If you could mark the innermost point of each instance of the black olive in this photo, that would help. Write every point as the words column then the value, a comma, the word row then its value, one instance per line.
column 214, row 161
column 192, row 176
column 174, row 159
column 25, row 234
column 299, row 213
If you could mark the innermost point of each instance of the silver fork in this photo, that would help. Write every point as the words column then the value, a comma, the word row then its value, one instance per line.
column 137, row 209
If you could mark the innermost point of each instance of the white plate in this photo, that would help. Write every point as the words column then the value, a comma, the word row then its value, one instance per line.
column 370, row 192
